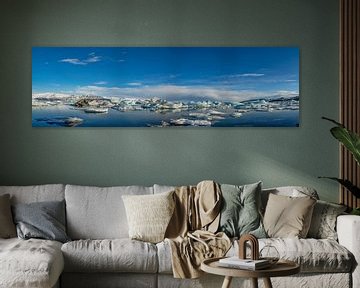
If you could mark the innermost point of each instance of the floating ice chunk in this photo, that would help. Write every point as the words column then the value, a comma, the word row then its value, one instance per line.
column 188, row 122
column 96, row 110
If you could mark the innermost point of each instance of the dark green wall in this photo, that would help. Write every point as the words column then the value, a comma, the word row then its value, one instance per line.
column 123, row 156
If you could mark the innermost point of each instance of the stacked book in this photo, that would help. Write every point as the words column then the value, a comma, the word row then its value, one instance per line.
column 248, row 264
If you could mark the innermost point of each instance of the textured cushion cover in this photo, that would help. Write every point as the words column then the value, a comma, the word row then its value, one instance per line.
column 313, row 255
column 33, row 263
column 149, row 215
column 287, row 216
column 44, row 220
column 7, row 226
column 117, row 255
column 323, row 223
column 240, row 210
column 291, row 191
column 98, row 212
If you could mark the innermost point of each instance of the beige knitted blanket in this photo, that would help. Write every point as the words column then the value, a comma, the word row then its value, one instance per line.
column 191, row 231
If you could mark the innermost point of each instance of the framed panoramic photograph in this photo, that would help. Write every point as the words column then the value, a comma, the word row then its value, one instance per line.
column 165, row 86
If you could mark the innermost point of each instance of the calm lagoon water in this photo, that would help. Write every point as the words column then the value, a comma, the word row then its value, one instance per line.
column 49, row 116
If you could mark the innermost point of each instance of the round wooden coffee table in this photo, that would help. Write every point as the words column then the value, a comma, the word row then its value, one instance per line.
column 281, row 268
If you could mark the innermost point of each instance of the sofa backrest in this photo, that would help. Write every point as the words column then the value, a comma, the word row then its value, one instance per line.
column 162, row 188
column 293, row 191
column 98, row 212
column 36, row 193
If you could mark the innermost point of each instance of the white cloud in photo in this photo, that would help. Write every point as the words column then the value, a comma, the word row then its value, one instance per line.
column 73, row 61
column 287, row 93
column 100, row 83
column 252, row 75
column 50, row 95
column 247, row 75
column 134, row 83
column 174, row 92
column 92, row 58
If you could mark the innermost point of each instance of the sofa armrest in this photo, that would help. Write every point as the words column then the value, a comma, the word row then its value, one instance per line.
column 348, row 230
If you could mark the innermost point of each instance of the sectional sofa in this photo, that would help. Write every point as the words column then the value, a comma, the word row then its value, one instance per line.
column 100, row 253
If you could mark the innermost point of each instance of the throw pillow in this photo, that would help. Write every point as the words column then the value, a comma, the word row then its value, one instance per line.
column 149, row 215
column 240, row 213
column 288, row 217
column 7, row 227
column 323, row 222
column 44, row 220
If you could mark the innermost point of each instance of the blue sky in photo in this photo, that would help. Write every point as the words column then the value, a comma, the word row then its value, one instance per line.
column 215, row 73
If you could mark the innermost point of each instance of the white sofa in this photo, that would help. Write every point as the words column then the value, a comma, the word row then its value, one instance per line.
column 101, row 255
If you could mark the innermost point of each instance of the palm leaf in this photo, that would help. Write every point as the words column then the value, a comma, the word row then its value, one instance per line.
column 349, row 139
column 347, row 184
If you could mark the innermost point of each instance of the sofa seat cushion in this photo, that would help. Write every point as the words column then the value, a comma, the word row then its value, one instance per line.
column 115, row 255
column 30, row 263
column 313, row 255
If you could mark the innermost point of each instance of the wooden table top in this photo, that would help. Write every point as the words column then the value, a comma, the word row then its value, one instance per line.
column 281, row 268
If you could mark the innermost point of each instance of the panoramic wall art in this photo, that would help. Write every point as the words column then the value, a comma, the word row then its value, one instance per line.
column 165, row 86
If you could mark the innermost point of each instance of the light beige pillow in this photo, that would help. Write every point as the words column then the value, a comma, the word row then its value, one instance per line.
column 288, row 217
column 149, row 215
column 7, row 226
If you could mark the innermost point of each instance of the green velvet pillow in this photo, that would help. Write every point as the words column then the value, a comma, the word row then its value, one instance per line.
column 240, row 213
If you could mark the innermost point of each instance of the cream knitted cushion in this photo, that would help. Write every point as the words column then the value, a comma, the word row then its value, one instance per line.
column 149, row 215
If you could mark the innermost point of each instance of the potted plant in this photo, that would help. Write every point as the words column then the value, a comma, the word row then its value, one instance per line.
column 351, row 141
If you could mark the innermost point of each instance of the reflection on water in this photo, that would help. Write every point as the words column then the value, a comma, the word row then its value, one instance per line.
column 68, row 116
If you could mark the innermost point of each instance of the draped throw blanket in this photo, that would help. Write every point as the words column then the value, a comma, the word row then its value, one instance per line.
column 191, row 231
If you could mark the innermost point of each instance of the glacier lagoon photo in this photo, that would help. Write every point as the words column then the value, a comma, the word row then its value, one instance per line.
column 165, row 86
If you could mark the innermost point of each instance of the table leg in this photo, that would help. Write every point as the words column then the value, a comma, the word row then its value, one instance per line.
column 267, row 283
column 227, row 282
column 254, row 282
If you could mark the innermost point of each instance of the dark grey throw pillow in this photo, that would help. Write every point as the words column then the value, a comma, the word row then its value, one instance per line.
column 44, row 220
column 240, row 213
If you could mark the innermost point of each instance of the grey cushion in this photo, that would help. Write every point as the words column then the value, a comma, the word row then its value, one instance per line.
column 323, row 222
column 7, row 227
column 31, row 263
column 44, row 220
column 98, row 213
column 240, row 213
column 117, row 255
